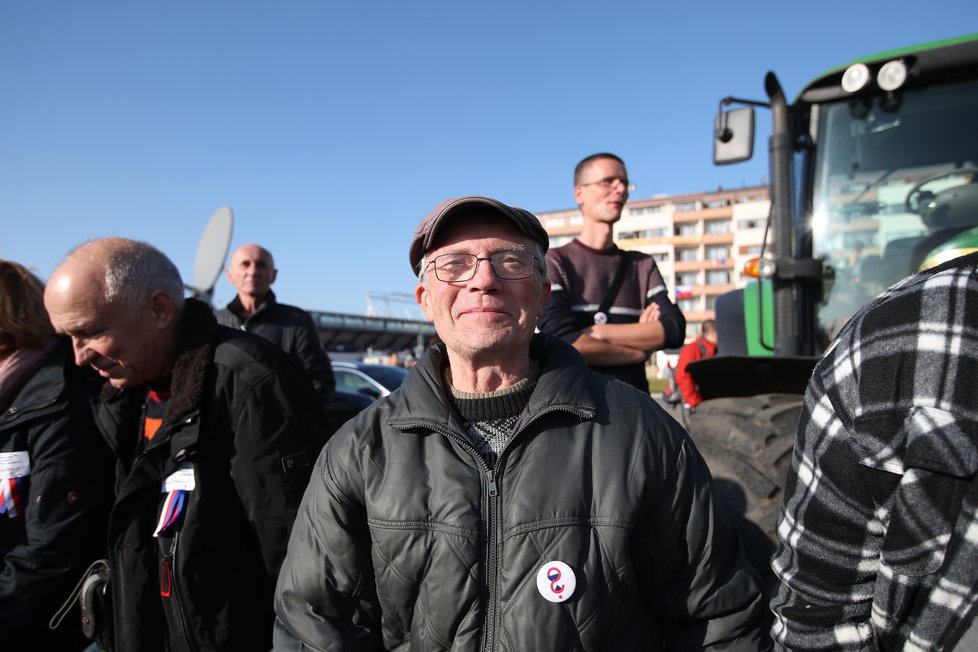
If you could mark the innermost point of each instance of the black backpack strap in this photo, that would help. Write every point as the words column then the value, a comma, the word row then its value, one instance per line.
column 613, row 289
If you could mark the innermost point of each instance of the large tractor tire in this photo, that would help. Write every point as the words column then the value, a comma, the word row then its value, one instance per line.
column 748, row 442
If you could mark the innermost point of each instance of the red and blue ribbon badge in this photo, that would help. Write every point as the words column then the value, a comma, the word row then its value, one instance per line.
column 172, row 508
column 12, row 496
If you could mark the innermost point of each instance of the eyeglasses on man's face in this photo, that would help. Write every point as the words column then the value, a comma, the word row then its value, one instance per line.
column 611, row 182
column 509, row 265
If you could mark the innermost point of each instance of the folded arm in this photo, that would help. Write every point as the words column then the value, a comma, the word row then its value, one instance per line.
column 661, row 325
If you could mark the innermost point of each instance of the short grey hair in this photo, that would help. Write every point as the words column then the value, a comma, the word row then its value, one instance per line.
column 133, row 271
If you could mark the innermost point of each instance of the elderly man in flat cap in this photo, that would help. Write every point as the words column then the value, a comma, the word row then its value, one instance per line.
column 505, row 497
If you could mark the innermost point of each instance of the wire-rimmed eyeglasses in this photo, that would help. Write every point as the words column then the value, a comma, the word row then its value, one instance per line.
column 609, row 182
column 509, row 265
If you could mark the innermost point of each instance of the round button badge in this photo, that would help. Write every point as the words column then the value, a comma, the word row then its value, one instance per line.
column 556, row 581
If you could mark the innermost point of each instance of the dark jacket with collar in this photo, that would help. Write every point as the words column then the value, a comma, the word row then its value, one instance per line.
column 293, row 330
column 247, row 423
column 60, row 529
column 407, row 540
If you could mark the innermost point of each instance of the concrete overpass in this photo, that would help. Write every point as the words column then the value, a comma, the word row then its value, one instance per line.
column 345, row 332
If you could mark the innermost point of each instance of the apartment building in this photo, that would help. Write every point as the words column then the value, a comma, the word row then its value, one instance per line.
column 700, row 241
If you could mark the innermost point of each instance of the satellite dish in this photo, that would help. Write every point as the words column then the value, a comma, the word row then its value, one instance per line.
column 212, row 252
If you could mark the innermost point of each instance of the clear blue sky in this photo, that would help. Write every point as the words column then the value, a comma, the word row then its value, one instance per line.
column 332, row 128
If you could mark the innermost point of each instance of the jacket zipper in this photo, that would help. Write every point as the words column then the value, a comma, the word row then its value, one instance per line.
column 167, row 568
column 489, row 516
column 492, row 517
column 492, row 561
column 171, row 590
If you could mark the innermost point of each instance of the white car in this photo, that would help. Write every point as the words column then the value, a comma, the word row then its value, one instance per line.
column 373, row 380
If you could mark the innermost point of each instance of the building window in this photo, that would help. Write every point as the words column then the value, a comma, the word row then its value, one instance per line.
column 687, row 207
column 716, row 226
column 717, row 203
column 645, row 233
column 645, row 210
column 685, row 229
column 756, row 223
column 717, row 277
column 711, row 303
column 687, row 278
column 660, row 258
column 688, row 254
column 688, row 305
column 750, row 250
column 717, row 253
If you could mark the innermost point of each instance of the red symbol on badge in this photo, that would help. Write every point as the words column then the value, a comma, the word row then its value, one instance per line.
column 556, row 581
column 553, row 574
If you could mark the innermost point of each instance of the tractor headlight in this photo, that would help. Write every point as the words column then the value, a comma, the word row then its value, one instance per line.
column 892, row 75
column 855, row 78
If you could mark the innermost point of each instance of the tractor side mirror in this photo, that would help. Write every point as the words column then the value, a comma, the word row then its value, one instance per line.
column 733, row 136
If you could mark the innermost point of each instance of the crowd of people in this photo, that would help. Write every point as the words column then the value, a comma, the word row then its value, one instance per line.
column 169, row 479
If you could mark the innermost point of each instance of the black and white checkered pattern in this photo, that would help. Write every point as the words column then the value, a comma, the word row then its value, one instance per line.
column 879, row 527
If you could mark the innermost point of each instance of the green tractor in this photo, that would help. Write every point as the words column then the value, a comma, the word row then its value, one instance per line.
column 873, row 176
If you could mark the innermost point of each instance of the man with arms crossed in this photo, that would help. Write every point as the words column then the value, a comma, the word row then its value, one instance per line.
column 639, row 318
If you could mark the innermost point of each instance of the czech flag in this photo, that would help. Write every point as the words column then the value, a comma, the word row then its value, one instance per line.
column 12, row 496
column 172, row 507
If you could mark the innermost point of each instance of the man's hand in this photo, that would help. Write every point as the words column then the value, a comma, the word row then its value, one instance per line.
column 650, row 314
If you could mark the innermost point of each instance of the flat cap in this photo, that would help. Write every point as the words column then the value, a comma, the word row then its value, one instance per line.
column 424, row 235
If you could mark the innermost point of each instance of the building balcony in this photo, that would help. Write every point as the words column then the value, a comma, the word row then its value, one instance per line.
column 713, row 289
column 718, row 238
column 638, row 243
column 700, row 265
column 569, row 230
column 686, row 217
column 685, row 240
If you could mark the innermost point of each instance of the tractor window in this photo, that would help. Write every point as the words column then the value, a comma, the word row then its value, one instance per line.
column 896, row 184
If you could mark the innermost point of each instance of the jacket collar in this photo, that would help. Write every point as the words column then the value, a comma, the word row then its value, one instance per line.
column 195, row 350
column 564, row 385
column 238, row 311
column 45, row 385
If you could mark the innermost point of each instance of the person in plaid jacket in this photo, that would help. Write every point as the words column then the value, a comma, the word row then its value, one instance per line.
column 879, row 526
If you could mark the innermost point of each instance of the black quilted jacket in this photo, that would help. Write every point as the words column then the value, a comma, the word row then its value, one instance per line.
column 407, row 540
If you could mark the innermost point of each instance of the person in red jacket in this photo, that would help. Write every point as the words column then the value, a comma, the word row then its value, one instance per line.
column 704, row 346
